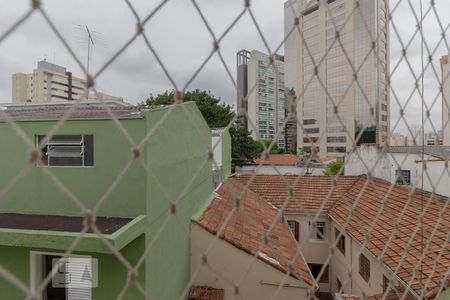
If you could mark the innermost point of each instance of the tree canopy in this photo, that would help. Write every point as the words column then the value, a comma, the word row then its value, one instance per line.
column 217, row 115
column 334, row 168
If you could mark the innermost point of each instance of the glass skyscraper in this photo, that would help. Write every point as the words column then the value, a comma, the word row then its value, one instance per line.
column 339, row 72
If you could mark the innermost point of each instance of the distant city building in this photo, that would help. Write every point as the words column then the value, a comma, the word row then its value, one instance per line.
column 51, row 83
column 291, row 122
column 330, row 103
column 263, row 84
column 445, row 63
column 242, row 60
column 398, row 139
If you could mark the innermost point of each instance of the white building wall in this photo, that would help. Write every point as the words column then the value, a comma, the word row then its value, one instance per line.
column 445, row 63
column 284, row 170
column 435, row 178
column 261, row 280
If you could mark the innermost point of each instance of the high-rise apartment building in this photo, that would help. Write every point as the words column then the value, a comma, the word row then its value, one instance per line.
column 47, row 83
column 51, row 83
column 262, row 82
column 445, row 64
column 339, row 72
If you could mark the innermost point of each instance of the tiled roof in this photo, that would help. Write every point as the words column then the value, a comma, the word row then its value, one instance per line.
column 57, row 111
column 206, row 293
column 278, row 160
column 310, row 193
column 247, row 225
column 372, row 194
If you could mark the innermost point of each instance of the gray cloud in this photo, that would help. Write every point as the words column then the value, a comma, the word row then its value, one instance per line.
column 183, row 42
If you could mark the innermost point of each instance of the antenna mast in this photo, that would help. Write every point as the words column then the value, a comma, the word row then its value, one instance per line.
column 90, row 40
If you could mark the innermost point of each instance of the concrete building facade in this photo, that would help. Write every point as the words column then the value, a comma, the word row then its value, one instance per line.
column 52, row 83
column 336, row 50
column 445, row 64
column 264, row 88
column 420, row 168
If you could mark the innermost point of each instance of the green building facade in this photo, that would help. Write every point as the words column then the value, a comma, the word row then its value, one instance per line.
column 156, row 189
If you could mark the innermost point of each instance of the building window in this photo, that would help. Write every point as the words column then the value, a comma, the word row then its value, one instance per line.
column 295, row 228
column 340, row 241
column 385, row 283
column 67, row 150
column 364, row 267
column 318, row 230
column 315, row 271
column 338, row 285
column 404, row 177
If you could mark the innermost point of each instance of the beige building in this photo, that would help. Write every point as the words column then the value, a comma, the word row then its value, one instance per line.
column 331, row 107
column 52, row 83
column 445, row 63
column 239, row 263
column 263, row 84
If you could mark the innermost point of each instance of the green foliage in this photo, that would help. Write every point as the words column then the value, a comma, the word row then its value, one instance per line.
column 218, row 115
column 243, row 147
column 274, row 150
column 334, row 168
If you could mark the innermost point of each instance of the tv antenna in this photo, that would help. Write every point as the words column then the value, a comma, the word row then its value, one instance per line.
column 89, row 40
column 92, row 38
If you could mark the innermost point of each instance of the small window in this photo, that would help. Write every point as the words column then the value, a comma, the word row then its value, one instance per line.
column 340, row 241
column 295, row 228
column 68, row 150
column 403, row 178
column 315, row 271
column 338, row 285
column 364, row 267
column 318, row 230
column 385, row 283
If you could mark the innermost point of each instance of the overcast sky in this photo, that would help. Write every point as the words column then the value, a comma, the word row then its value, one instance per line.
column 182, row 42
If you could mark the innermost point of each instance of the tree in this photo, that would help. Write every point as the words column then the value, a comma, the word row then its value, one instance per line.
column 334, row 168
column 274, row 150
column 217, row 115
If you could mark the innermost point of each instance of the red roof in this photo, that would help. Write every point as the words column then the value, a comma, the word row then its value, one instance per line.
column 372, row 194
column 206, row 293
column 246, row 226
column 278, row 160
column 336, row 198
column 310, row 193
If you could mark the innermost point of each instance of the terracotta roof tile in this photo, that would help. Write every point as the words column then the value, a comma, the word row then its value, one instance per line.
column 206, row 293
column 279, row 160
column 372, row 194
column 337, row 198
column 246, row 226
column 310, row 193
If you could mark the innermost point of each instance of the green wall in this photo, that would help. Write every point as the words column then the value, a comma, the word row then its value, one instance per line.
column 168, row 269
column 176, row 152
column 112, row 275
column 36, row 193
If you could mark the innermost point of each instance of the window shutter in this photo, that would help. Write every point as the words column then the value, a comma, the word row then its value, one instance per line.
column 297, row 231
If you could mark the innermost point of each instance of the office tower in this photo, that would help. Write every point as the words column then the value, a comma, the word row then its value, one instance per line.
column 263, row 84
column 445, row 64
column 337, row 47
column 242, row 60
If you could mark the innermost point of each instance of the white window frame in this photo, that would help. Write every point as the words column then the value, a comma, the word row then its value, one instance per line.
column 36, row 268
column 315, row 234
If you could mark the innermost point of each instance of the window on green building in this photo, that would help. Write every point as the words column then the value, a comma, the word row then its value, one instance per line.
column 68, row 150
